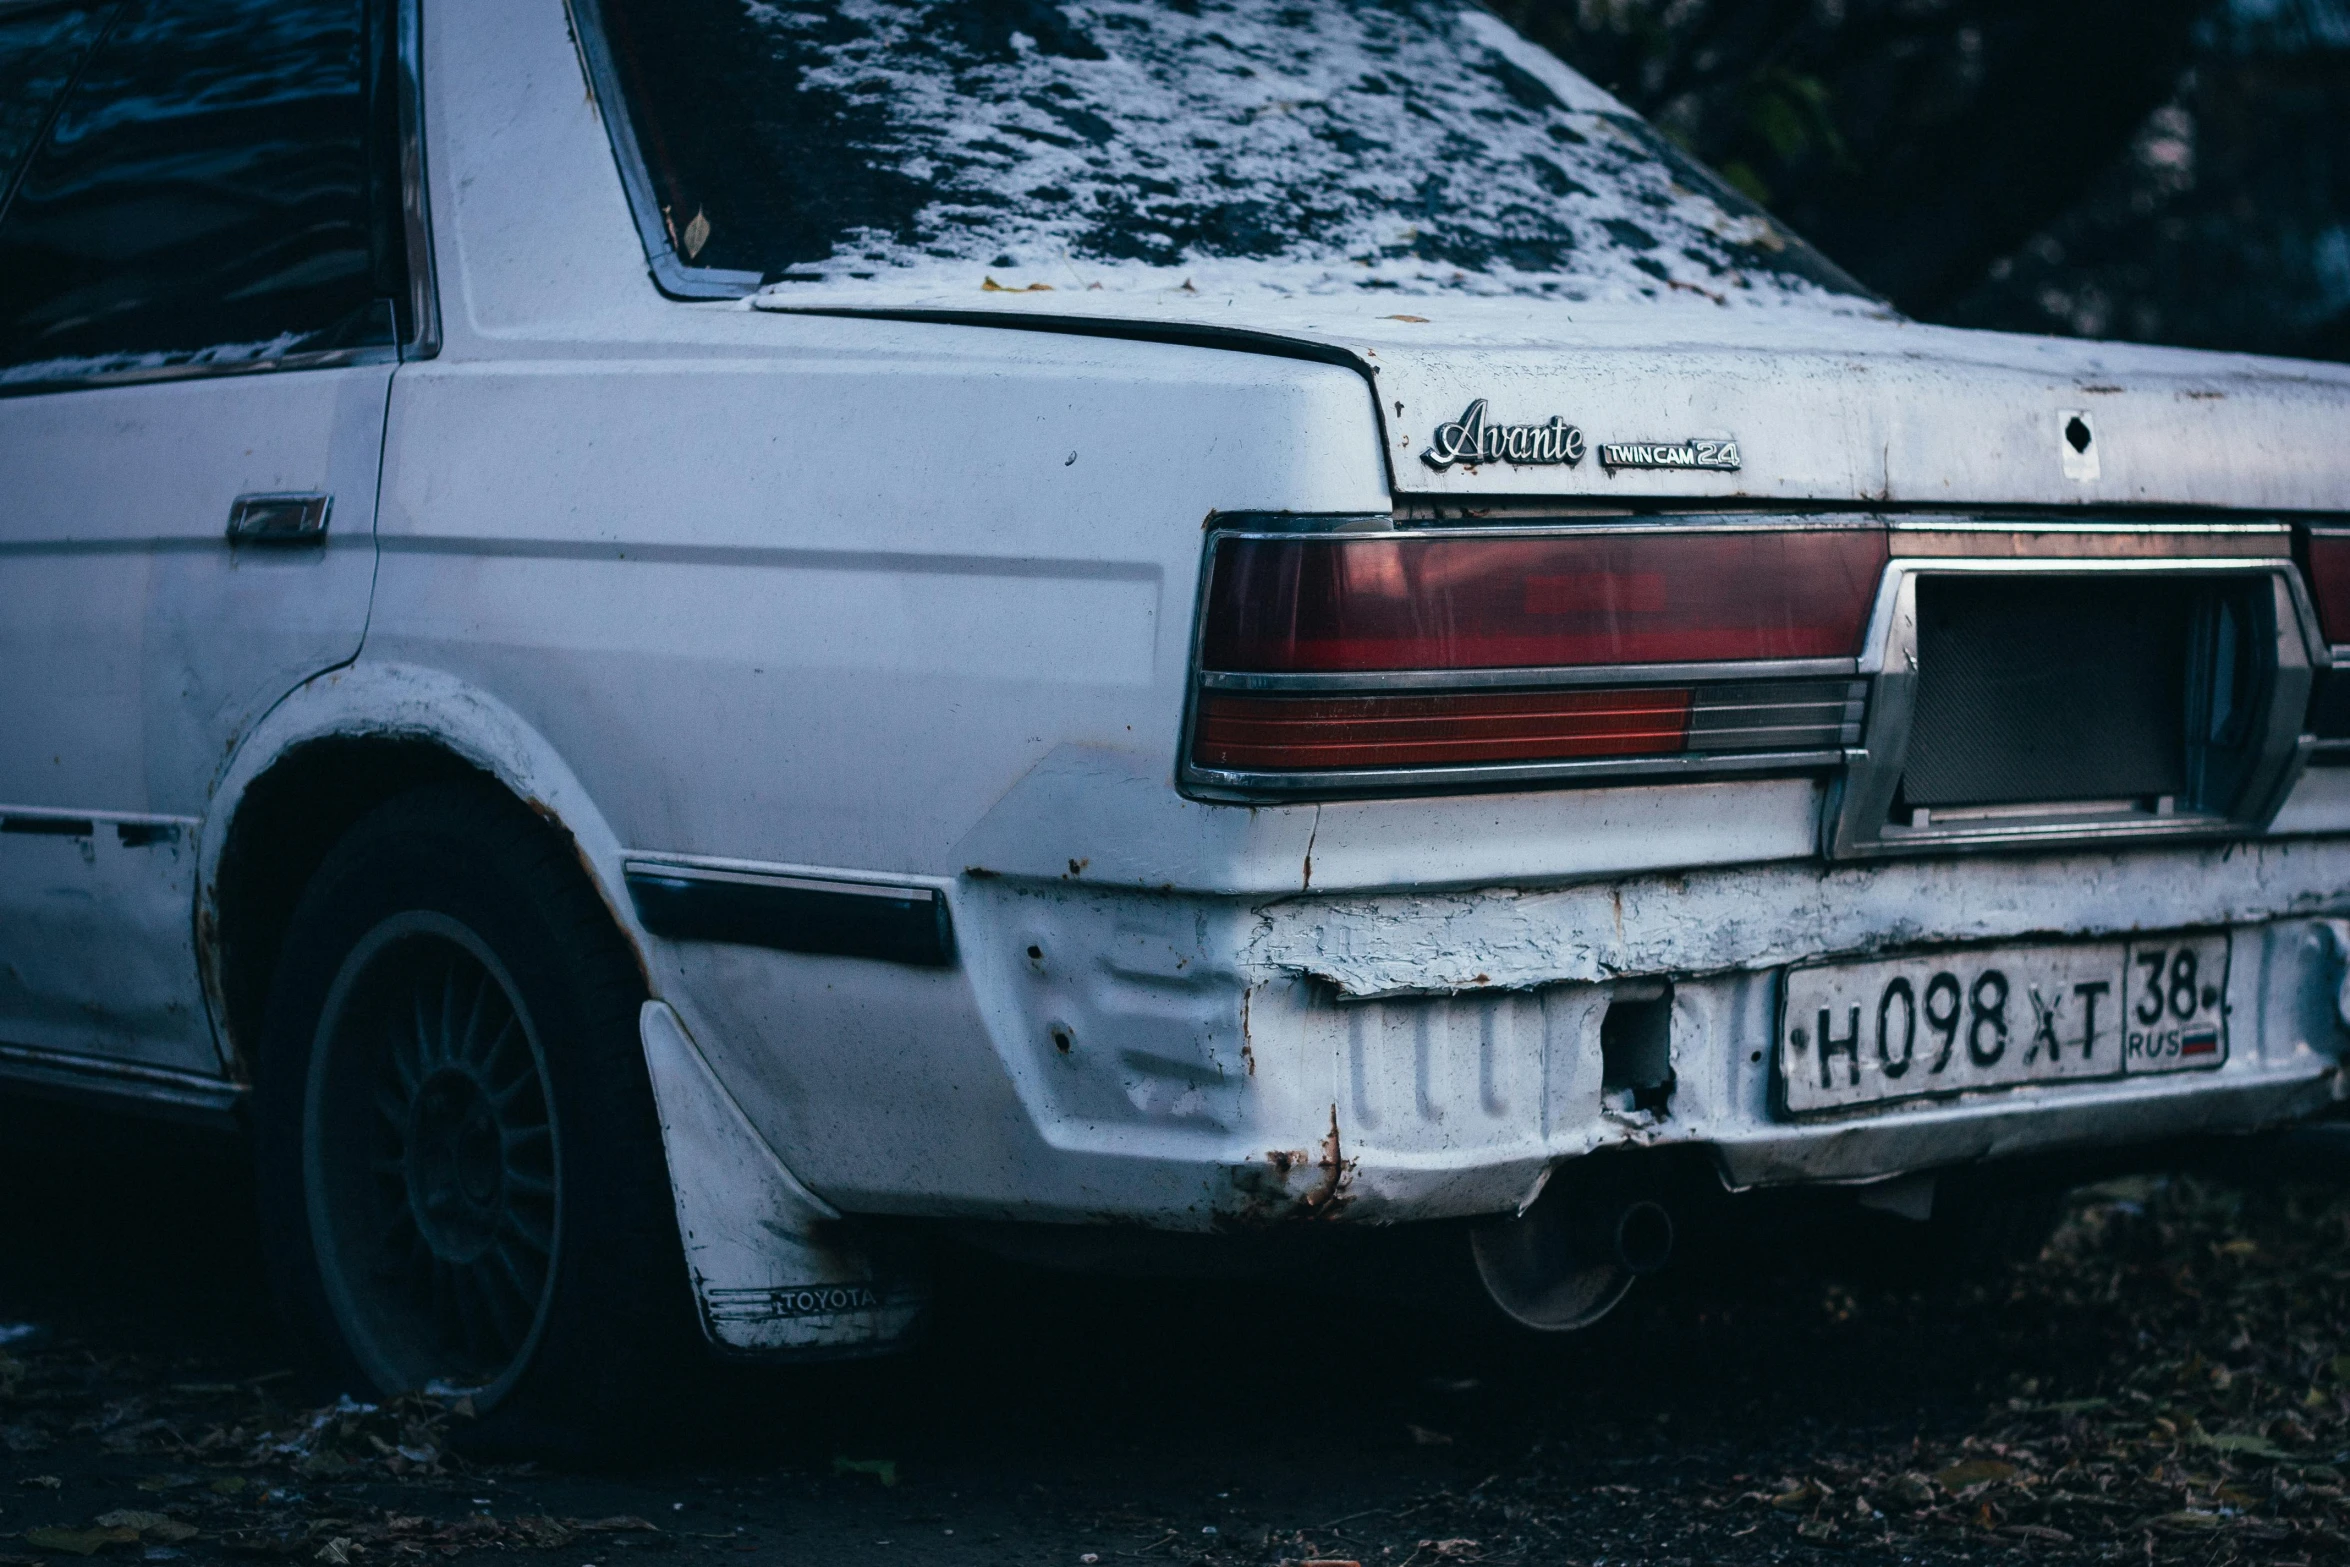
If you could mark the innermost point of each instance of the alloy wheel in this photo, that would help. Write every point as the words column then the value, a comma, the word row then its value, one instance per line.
column 433, row 1161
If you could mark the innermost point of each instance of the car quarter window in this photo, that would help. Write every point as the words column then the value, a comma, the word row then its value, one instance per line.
column 219, row 187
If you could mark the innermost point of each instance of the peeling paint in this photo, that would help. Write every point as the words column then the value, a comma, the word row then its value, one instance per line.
column 1265, row 1193
column 1762, row 916
column 1324, row 1200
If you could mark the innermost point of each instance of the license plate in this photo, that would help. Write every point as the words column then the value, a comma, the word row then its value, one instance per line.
column 2000, row 1017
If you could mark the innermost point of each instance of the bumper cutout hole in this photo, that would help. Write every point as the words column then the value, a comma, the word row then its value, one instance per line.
column 1636, row 1047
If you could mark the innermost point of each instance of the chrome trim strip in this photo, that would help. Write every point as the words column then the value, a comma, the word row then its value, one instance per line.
column 65, row 813
column 132, row 1084
column 1779, row 737
column 2181, row 825
column 748, row 874
column 1218, row 783
column 1287, row 522
column 670, row 272
column 1919, row 522
column 1856, row 815
column 1572, row 527
column 1875, row 644
column 1424, row 510
column 1537, row 677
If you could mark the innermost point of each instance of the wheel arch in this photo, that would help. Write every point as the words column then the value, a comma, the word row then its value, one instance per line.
column 333, row 749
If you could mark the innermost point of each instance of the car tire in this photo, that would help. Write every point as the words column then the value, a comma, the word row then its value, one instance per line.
column 461, row 1178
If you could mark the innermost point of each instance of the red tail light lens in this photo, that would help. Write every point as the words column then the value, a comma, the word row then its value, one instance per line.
column 1342, row 660
column 1247, row 732
column 2329, row 583
column 1334, row 604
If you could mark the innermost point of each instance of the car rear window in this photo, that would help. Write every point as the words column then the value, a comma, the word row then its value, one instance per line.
column 1408, row 145
column 207, row 192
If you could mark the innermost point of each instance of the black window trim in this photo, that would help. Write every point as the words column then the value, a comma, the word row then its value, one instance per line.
column 424, row 338
column 671, row 274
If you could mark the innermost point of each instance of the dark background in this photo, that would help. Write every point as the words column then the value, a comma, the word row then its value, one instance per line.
column 2166, row 171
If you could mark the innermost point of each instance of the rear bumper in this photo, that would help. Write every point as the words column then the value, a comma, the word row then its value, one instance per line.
column 1198, row 1062
column 1409, row 1106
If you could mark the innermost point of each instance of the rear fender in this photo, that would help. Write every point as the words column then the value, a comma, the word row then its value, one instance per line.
column 412, row 703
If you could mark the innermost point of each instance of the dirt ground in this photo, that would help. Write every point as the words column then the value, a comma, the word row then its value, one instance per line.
column 2169, row 1381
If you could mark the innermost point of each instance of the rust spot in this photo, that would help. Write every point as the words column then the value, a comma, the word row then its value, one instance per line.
column 1264, row 1194
column 1324, row 1200
column 587, row 867
column 210, row 970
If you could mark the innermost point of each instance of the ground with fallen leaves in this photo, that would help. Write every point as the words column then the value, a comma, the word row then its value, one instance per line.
column 2169, row 1381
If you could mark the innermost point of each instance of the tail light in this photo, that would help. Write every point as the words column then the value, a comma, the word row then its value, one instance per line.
column 1575, row 600
column 1249, row 732
column 2328, row 575
column 1375, row 659
column 2329, row 581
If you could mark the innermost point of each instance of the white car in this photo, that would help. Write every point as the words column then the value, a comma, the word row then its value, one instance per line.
column 687, row 647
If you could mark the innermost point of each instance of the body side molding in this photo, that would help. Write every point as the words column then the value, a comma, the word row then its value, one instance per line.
column 842, row 917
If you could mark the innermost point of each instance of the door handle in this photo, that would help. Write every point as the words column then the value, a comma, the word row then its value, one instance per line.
column 279, row 519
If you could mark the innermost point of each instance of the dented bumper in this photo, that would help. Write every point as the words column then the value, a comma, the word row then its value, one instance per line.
column 1385, row 1059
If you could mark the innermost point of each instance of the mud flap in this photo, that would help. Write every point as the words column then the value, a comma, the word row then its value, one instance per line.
column 776, row 1270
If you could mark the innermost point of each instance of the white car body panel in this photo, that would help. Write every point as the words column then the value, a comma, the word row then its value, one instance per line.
column 1848, row 406
column 157, row 645
column 905, row 596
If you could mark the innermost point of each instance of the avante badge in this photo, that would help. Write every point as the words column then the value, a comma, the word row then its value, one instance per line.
column 1669, row 454
column 1469, row 439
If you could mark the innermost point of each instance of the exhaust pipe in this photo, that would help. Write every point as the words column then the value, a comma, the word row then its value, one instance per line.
column 1568, row 1260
